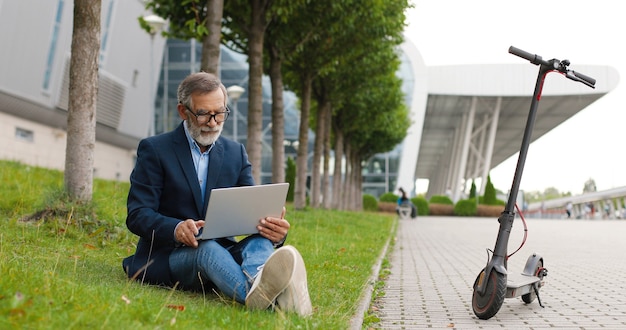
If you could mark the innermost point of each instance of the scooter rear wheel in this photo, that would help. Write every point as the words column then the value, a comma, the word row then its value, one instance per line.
column 530, row 297
column 488, row 304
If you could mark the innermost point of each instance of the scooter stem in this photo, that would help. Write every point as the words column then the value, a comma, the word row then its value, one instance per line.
column 530, row 123
column 508, row 215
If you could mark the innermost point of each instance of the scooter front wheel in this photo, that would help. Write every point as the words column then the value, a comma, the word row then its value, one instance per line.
column 488, row 304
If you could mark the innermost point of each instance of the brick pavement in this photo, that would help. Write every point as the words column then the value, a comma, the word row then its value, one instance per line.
column 435, row 260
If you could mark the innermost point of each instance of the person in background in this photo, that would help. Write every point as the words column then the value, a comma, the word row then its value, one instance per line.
column 403, row 198
column 405, row 202
column 170, row 188
column 568, row 209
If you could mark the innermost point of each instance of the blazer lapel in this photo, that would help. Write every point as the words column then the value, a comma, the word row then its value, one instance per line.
column 183, row 153
column 216, row 158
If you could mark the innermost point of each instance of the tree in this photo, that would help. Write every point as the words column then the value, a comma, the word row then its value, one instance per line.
column 370, row 116
column 351, row 30
column 283, row 36
column 212, row 41
column 247, row 22
column 590, row 186
column 192, row 19
column 83, row 92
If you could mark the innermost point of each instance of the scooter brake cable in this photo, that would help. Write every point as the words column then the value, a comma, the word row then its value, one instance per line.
column 525, row 231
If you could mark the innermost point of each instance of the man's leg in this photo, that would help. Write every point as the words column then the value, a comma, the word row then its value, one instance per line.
column 251, row 253
column 209, row 264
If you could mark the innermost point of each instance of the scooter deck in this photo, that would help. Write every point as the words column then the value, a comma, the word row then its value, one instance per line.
column 519, row 284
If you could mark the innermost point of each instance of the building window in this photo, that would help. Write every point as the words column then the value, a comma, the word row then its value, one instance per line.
column 106, row 28
column 24, row 134
column 53, row 46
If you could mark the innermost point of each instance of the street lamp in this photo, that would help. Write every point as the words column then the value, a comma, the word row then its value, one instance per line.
column 156, row 24
column 234, row 93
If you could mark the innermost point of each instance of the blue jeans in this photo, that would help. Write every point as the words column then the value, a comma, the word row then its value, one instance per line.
column 228, row 266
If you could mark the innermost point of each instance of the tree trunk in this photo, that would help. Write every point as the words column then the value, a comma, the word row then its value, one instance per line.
column 83, row 94
column 354, row 186
column 255, row 87
column 347, row 185
column 357, row 169
column 318, row 148
column 211, row 42
column 303, row 140
column 278, row 118
column 326, row 188
column 338, row 180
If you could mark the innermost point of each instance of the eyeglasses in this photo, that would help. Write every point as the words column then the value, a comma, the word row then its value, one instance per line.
column 203, row 118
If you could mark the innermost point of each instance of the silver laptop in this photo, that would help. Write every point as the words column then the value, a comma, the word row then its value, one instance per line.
column 237, row 211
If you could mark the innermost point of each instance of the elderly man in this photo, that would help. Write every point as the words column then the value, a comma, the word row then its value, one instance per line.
column 170, row 188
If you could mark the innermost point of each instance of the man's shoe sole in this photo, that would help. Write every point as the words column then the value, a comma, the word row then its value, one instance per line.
column 273, row 278
column 296, row 297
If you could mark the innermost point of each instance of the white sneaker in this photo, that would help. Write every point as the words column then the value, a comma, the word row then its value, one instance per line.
column 296, row 298
column 272, row 279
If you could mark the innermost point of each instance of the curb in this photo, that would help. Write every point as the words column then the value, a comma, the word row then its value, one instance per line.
column 356, row 323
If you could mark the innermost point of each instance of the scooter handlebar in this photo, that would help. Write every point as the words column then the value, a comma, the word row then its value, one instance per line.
column 537, row 60
column 586, row 79
column 533, row 58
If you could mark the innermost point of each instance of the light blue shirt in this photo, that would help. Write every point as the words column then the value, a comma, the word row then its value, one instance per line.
column 200, row 160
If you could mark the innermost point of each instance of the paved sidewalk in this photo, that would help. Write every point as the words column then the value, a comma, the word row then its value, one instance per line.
column 436, row 260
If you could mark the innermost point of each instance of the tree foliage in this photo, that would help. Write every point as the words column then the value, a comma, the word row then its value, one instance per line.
column 348, row 68
column 590, row 186
column 192, row 19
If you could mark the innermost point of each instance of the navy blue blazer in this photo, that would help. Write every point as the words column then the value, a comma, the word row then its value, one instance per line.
column 164, row 190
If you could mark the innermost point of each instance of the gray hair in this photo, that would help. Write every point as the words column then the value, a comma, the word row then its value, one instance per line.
column 202, row 82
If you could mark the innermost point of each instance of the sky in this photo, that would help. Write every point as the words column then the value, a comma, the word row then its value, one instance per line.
column 589, row 145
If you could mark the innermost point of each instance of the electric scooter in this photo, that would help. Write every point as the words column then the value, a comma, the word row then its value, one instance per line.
column 494, row 282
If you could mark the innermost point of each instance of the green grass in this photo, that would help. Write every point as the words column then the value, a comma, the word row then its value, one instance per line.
column 63, row 270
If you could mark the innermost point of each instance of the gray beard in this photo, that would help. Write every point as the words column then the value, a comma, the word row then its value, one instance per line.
column 195, row 133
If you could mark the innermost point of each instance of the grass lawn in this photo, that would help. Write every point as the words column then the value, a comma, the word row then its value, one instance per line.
column 62, row 270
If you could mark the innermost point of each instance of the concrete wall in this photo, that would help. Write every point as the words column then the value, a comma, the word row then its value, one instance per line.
column 45, row 147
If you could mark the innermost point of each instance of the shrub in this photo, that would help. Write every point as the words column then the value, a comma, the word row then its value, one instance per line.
column 422, row 205
column 441, row 199
column 493, row 211
column 388, row 207
column 472, row 193
column 465, row 207
column 389, row 197
column 370, row 203
column 440, row 209
column 498, row 202
column 490, row 193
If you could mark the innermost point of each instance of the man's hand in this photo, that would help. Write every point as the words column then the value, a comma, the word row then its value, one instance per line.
column 187, row 230
column 274, row 229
